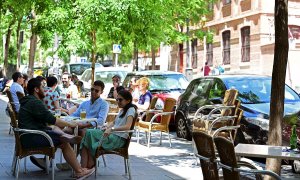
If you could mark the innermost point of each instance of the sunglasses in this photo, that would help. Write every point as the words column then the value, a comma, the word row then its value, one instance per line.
column 96, row 90
column 120, row 99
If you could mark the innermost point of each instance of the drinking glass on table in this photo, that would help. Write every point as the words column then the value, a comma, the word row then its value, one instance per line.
column 57, row 113
column 82, row 114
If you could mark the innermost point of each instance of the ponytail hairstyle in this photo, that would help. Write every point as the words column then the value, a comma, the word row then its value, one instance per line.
column 127, row 96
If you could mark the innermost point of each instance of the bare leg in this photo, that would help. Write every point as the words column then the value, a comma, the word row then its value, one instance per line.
column 84, row 157
column 87, row 160
column 91, row 161
column 70, row 157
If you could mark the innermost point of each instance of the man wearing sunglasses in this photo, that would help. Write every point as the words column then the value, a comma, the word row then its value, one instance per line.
column 17, row 87
column 96, row 107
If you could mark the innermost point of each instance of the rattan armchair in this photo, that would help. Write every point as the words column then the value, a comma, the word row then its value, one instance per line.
column 224, row 113
column 206, row 153
column 21, row 152
column 120, row 151
column 113, row 110
column 11, row 101
column 231, row 167
column 162, row 126
column 20, row 95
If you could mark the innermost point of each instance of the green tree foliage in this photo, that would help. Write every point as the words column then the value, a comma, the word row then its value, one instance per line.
column 87, row 27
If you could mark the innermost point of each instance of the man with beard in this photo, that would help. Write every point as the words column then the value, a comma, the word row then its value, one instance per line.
column 34, row 115
column 68, row 87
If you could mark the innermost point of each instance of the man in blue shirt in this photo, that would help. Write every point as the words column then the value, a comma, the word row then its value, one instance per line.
column 96, row 107
column 17, row 87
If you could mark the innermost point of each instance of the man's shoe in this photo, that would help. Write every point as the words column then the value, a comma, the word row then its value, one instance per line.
column 63, row 166
column 39, row 162
column 71, row 139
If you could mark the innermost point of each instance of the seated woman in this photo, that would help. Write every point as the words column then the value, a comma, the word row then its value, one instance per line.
column 111, row 140
column 145, row 95
column 51, row 98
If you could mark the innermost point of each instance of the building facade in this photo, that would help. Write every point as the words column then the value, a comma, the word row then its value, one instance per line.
column 244, row 38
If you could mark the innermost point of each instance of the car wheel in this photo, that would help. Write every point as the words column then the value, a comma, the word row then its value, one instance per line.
column 182, row 129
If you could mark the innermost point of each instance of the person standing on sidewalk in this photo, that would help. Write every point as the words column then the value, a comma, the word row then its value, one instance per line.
column 206, row 69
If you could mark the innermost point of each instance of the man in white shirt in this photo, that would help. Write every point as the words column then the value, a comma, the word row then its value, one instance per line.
column 17, row 87
column 68, row 87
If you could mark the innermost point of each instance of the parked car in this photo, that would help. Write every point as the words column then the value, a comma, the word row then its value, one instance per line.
column 78, row 68
column 104, row 74
column 163, row 84
column 254, row 94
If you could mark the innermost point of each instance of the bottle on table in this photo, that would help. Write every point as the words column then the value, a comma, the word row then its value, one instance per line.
column 293, row 138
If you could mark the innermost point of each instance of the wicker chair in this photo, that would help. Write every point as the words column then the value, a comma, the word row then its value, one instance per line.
column 162, row 126
column 121, row 151
column 228, row 112
column 21, row 152
column 113, row 110
column 206, row 153
column 231, row 167
column 20, row 95
column 11, row 101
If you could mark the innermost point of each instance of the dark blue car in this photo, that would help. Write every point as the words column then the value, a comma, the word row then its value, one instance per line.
column 254, row 94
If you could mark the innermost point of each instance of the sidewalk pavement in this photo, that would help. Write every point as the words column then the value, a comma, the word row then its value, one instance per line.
column 157, row 162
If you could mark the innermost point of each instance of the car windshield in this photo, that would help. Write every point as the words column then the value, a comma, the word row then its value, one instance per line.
column 167, row 82
column 106, row 76
column 78, row 69
column 258, row 90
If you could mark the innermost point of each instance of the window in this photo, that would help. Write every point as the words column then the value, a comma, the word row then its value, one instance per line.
column 226, row 47
column 217, row 91
column 245, row 36
column 202, row 87
column 209, row 54
column 194, row 53
column 294, row 32
column 226, row 2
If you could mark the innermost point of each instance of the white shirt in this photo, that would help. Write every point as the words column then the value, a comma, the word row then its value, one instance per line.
column 14, row 88
column 71, row 89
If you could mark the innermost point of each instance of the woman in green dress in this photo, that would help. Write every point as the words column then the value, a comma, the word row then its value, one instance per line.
column 109, row 139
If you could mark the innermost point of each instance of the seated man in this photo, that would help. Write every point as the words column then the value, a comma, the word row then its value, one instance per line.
column 34, row 115
column 96, row 107
column 17, row 87
column 67, row 87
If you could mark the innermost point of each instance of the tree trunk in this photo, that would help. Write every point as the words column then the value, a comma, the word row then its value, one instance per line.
column 6, row 47
column 94, row 47
column 33, row 43
column 135, row 57
column 278, row 81
column 18, row 44
column 153, row 57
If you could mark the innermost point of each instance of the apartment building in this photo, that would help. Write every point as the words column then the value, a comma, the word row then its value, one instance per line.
column 244, row 39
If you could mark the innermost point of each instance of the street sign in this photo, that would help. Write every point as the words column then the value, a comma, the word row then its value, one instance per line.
column 117, row 48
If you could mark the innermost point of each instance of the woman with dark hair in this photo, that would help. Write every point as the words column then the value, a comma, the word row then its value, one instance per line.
column 110, row 139
column 25, row 77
